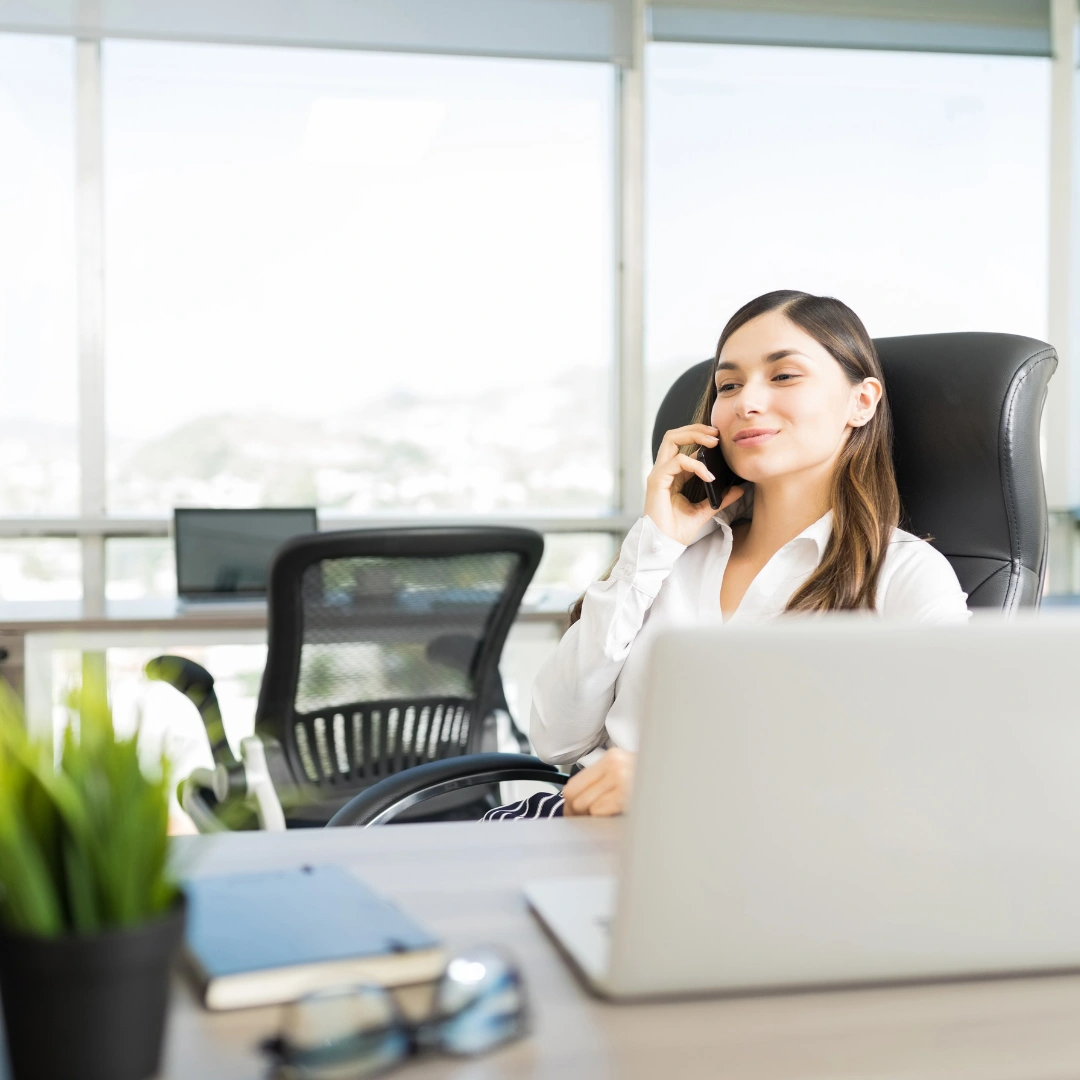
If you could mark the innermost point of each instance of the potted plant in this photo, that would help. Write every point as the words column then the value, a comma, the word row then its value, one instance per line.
column 89, row 915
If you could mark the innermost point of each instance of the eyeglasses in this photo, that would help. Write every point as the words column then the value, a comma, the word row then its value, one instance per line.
column 357, row 1031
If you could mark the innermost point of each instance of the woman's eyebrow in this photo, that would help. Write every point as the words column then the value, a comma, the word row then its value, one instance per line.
column 779, row 354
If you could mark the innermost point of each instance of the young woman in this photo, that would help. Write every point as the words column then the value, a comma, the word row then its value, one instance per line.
column 798, row 406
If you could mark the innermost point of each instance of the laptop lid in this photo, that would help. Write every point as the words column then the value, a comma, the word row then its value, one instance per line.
column 223, row 554
column 846, row 800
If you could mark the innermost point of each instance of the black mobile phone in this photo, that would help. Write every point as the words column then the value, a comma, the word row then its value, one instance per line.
column 713, row 459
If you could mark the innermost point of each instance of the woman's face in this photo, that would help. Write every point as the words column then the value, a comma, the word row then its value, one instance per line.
column 784, row 405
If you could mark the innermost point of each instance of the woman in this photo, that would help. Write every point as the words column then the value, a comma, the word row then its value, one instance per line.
column 798, row 406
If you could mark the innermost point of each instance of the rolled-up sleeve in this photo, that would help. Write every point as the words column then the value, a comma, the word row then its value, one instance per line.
column 576, row 687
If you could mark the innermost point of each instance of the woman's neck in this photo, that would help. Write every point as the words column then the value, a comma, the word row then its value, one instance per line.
column 784, row 507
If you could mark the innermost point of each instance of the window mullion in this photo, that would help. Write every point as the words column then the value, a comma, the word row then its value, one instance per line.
column 630, row 223
column 90, row 258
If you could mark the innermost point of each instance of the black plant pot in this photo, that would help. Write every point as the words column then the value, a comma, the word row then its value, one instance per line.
column 88, row 1007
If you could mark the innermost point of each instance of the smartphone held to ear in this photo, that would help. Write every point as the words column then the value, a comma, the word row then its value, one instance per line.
column 713, row 459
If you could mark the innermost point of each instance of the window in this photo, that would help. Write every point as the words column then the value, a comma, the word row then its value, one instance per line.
column 37, row 276
column 32, row 571
column 770, row 167
column 139, row 567
column 369, row 282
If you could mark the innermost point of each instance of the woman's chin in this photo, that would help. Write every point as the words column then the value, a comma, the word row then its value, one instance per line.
column 751, row 474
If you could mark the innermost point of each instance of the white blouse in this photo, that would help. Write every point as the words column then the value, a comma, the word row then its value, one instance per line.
column 586, row 696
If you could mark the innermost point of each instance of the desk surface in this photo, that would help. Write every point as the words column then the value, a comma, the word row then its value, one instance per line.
column 464, row 882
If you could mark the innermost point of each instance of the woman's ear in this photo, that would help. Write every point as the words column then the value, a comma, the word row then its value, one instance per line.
column 864, row 401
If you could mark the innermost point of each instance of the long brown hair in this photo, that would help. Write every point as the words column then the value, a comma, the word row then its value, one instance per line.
column 864, row 499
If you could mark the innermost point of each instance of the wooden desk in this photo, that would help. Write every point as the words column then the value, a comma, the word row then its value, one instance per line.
column 464, row 882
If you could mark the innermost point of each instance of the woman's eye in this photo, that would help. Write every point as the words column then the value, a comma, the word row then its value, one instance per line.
column 723, row 387
column 786, row 376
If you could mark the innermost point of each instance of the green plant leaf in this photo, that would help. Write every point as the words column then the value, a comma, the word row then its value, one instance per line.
column 83, row 846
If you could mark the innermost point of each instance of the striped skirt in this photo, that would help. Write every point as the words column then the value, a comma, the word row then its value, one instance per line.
column 535, row 806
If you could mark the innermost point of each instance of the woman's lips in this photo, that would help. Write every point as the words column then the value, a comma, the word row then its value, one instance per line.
column 756, row 438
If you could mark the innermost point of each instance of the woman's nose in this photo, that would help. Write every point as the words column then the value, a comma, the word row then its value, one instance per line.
column 749, row 402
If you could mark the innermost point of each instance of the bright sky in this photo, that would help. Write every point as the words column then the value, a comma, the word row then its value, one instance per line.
column 37, row 228
column 301, row 231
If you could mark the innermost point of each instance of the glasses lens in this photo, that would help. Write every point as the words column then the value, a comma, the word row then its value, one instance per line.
column 479, row 1003
column 342, row 1034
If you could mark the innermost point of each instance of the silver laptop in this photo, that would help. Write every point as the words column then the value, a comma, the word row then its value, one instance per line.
column 842, row 801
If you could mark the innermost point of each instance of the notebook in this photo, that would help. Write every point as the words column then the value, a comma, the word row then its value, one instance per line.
column 266, row 938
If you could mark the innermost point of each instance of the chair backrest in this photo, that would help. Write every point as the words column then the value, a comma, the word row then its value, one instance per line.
column 967, row 409
column 383, row 647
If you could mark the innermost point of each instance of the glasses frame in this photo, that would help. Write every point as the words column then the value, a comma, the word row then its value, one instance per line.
column 425, row 1035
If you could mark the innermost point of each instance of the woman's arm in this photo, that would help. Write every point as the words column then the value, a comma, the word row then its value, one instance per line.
column 575, row 688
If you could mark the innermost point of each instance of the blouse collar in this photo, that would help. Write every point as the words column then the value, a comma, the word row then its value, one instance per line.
column 818, row 533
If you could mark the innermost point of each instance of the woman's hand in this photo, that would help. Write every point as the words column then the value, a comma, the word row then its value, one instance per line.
column 665, row 503
column 601, row 789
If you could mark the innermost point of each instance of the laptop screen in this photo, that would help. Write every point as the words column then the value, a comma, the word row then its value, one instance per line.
column 222, row 553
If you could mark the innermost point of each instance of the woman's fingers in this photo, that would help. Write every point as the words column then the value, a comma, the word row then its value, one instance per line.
column 608, row 805
column 684, row 463
column 582, row 802
column 585, row 787
column 600, row 789
column 602, row 798
column 674, row 440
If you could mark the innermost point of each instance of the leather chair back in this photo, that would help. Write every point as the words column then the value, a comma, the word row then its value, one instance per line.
column 967, row 409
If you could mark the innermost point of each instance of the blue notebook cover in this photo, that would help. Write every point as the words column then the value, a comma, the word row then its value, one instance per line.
column 255, row 924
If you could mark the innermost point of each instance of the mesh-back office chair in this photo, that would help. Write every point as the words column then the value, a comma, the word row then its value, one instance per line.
column 382, row 653
column 967, row 409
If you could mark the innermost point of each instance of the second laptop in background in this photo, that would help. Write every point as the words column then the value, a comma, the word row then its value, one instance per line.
column 223, row 556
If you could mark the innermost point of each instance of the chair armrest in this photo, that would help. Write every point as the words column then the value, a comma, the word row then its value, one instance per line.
column 382, row 802
column 196, row 796
column 197, row 685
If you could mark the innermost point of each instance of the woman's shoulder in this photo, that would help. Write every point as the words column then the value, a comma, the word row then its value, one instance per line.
column 918, row 582
column 907, row 547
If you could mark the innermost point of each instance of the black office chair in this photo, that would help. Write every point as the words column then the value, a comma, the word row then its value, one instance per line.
column 967, row 409
column 382, row 654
